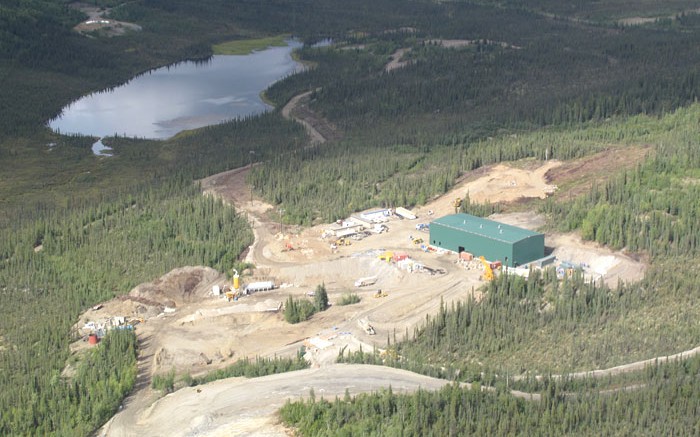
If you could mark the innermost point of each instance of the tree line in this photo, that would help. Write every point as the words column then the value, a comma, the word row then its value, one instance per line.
column 53, row 267
column 544, row 324
column 299, row 310
column 664, row 404
column 76, row 405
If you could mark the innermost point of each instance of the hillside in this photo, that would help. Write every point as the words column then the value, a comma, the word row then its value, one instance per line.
column 414, row 100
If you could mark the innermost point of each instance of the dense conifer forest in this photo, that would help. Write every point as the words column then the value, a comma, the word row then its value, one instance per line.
column 665, row 403
column 539, row 79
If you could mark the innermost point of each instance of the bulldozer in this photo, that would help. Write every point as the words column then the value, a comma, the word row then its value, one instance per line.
column 380, row 293
column 343, row 242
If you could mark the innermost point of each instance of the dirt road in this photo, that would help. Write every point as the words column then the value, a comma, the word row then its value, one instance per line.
column 395, row 61
column 626, row 368
column 319, row 129
column 247, row 406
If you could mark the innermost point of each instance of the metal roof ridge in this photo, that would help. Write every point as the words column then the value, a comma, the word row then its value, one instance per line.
column 467, row 222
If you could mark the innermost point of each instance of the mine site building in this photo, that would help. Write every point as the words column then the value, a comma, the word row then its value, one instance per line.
column 494, row 241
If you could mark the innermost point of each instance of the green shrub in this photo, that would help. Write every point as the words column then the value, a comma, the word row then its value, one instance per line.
column 255, row 368
column 321, row 298
column 298, row 310
column 165, row 383
column 349, row 299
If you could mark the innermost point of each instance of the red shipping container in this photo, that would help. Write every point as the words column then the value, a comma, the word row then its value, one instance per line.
column 466, row 256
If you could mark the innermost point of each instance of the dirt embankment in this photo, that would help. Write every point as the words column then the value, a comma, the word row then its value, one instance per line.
column 248, row 406
column 577, row 177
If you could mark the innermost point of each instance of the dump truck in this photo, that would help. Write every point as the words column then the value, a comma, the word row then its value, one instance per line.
column 379, row 228
column 364, row 324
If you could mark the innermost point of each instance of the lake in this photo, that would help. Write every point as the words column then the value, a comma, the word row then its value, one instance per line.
column 188, row 95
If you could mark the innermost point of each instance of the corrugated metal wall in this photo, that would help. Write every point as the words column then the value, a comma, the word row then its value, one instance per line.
column 519, row 253
column 527, row 250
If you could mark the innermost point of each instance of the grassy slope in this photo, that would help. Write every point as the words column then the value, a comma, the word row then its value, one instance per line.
column 244, row 47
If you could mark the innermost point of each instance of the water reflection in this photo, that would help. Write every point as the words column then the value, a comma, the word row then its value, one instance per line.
column 99, row 149
column 185, row 96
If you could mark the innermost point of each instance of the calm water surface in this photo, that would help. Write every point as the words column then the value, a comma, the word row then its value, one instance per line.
column 184, row 96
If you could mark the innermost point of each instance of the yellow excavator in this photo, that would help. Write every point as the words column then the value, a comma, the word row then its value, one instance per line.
column 457, row 203
column 488, row 272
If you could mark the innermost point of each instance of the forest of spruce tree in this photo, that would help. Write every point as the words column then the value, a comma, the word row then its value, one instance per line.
column 540, row 79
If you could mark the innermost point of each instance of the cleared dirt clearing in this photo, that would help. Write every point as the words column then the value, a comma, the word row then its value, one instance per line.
column 248, row 406
column 203, row 332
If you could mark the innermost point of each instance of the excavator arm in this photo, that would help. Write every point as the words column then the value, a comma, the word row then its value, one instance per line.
column 488, row 272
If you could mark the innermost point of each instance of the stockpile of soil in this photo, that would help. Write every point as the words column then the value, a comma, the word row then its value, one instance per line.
column 182, row 285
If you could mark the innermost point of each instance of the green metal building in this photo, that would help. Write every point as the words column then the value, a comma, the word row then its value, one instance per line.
column 494, row 241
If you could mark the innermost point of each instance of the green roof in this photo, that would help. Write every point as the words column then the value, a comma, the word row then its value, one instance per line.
column 485, row 227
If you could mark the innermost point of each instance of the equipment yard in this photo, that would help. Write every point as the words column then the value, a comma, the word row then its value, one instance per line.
column 183, row 325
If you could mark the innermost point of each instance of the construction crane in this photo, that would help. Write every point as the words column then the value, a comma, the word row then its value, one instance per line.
column 488, row 272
